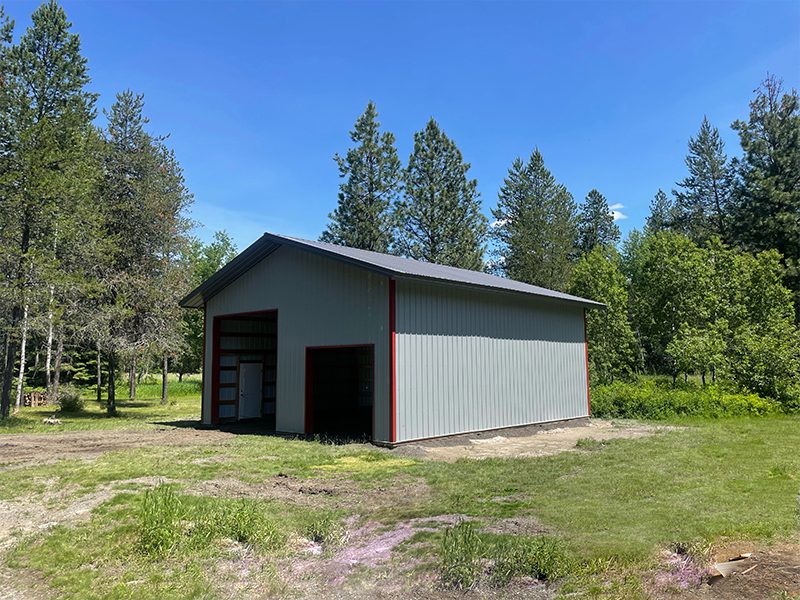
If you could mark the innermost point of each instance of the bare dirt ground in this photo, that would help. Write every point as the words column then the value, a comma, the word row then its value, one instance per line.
column 24, row 449
column 532, row 441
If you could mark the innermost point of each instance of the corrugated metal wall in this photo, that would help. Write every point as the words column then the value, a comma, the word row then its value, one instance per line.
column 469, row 360
column 320, row 302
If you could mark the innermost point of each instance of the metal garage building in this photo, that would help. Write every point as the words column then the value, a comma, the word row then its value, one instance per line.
column 318, row 338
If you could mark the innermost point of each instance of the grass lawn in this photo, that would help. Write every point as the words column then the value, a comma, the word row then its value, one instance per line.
column 611, row 507
column 184, row 404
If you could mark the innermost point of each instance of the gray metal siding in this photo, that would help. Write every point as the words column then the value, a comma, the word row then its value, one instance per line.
column 470, row 360
column 320, row 302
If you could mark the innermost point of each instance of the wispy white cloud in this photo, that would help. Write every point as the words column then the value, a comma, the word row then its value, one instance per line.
column 616, row 206
column 618, row 216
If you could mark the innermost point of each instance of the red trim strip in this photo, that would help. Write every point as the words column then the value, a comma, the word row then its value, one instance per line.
column 215, row 371
column 309, row 404
column 392, row 362
column 586, row 351
column 203, row 371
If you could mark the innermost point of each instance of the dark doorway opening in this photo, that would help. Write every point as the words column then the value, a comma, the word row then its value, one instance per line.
column 340, row 390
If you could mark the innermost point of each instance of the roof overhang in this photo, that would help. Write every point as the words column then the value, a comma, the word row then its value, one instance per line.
column 269, row 242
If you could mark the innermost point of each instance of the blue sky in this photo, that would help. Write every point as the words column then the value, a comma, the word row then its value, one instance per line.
column 258, row 96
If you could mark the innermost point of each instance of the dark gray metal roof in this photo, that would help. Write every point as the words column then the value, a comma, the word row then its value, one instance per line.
column 392, row 266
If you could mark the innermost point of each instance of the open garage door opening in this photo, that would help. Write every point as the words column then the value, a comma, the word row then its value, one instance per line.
column 340, row 391
column 245, row 368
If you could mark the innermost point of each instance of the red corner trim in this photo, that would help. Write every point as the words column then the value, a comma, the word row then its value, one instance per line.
column 215, row 371
column 309, row 404
column 392, row 362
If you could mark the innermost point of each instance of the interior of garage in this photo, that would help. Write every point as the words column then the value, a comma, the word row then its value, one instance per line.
column 246, row 367
column 340, row 391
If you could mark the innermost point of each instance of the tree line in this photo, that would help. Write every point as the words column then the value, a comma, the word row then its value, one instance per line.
column 710, row 286
column 95, row 244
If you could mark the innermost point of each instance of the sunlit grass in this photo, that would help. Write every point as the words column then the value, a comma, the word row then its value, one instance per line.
column 146, row 409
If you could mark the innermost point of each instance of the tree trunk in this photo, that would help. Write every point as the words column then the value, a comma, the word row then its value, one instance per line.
column 703, row 378
column 57, row 366
column 713, row 374
column 8, row 374
column 23, row 348
column 180, row 375
column 132, row 378
column 164, row 374
column 99, row 375
column 111, row 404
column 49, row 353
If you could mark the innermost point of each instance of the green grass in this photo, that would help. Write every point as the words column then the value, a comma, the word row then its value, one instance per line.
column 145, row 410
column 607, row 509
column 736, row 477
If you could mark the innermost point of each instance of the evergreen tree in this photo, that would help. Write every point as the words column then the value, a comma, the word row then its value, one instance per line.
column 144, row 198
column 596, row 226
column 705, row 196
column 439, row 219
column 49, row 174
column 372, row 179
column 662, row 214
column 768, row 200
column 612, row 345
column 535, row 226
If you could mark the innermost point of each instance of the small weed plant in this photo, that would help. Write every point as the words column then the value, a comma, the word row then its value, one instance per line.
column 160, row 522
column 460, row 557
column 326, row 530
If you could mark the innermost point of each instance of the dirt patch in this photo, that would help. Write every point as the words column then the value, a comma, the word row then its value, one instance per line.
column 23, row 449
column 771, row 572
column 527, row 441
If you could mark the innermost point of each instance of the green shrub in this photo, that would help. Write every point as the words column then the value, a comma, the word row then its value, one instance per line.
column 160, row 522
column 69, row 398
column 460, row 557
column 659, row 399
column 542, row 558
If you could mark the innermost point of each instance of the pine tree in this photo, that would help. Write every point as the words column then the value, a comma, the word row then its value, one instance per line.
column 705, row 196
column 535, row 226
column 662, row 214
column 50, row 170
column 372, row 179
column 596, row 226
column 144, row 198
column 768, row 200
column 439, row 218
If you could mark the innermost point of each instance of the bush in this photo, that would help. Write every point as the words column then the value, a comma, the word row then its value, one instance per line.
column 69, row 398
column 659, row 399
column 460, row 557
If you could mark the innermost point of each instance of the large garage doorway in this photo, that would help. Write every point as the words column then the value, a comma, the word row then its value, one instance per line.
column 340, row 391
column 244, row 368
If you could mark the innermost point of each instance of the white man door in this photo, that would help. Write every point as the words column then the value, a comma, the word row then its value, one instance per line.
column 250, row 389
